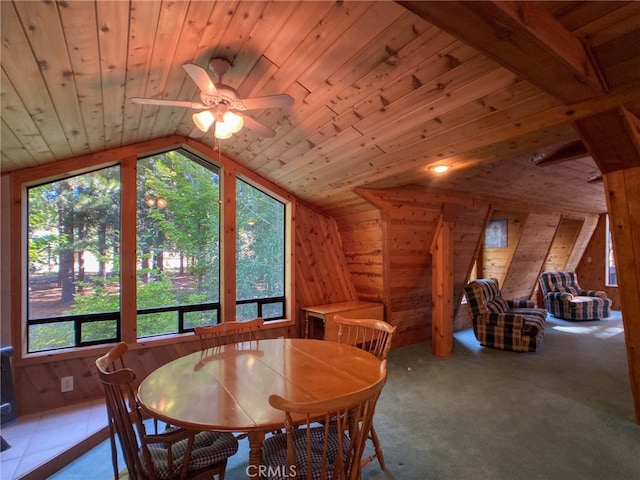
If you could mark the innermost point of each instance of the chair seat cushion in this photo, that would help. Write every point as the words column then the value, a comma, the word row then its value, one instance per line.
column 274, row 453
column 579, row 307
column 208, row 449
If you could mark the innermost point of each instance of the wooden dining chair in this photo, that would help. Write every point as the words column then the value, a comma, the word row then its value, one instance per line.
column 226, row 333
column 229, row 332
column 322, row 439
column 171, row 454
column 375, row 337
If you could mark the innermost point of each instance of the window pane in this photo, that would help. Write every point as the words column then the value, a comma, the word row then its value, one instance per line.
column 161, row 323
column 246, row 311
column 99, row 331
column 50, row 336
column 200, row 319
column 178, row 218
column 273, row 310
column 260, row 225
column 73, row 246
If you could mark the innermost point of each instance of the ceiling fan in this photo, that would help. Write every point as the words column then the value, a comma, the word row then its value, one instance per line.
column 221, row 105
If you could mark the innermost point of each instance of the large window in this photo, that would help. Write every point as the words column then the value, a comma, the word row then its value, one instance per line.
column 73, row 264
column 260, row 227
column 99, row 272
column 178, row 244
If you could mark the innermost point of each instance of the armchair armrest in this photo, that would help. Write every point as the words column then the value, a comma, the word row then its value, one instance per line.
column 561, row 296
column 521, row 303
column 506, row 320
column 593, row 293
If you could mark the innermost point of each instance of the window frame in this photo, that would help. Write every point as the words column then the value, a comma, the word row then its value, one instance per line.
column 127, row 158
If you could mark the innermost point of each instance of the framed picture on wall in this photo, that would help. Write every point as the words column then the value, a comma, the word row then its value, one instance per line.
column 495, row 236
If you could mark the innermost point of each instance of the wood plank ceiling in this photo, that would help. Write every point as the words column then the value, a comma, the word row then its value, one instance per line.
column 381, row 94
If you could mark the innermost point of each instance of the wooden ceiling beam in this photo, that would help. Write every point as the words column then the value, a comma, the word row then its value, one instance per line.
column 612, row 137
column 524, row 38
column 571, row 151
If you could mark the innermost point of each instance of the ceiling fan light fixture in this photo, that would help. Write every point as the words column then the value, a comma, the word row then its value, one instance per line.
column 233, row 121
column 222, row 131
column 227, row 124
column 203, row 120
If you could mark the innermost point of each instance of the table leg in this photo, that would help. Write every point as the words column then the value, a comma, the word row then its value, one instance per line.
column 255, row 453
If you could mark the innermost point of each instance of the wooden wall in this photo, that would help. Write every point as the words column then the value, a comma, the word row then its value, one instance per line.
column 529, row 256
column 592, row 268
column 495, row 261
column 408, row 219
column 322, row 273
column 362, row 243
column 404, row 225
column 562, row 244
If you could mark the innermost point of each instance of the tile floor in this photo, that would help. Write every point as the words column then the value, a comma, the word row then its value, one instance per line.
column 38, row 438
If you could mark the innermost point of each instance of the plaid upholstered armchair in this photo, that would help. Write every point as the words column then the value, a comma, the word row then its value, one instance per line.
column 564, row 298
column 500, row 323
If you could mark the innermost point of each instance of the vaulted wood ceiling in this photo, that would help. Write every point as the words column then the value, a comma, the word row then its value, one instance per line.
column 383, row 90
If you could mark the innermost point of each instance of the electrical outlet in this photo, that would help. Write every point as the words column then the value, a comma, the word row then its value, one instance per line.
column 66, row 384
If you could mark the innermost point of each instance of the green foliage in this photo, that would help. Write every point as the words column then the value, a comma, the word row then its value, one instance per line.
column 259, row 244
column 79, row 217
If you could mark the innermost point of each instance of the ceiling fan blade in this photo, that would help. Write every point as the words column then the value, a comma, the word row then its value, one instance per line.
column 258, row 127
column 167, row 103
column 270, row 101
column 200, row 76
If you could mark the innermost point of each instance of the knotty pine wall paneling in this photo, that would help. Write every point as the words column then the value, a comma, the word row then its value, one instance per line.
column 468, row 236
column 591, row 270
column 496, row 261
column 362, row 243
column 533, row 246
column 322, row 274
column 591, row 222
column 562, row 244
column 409, row 218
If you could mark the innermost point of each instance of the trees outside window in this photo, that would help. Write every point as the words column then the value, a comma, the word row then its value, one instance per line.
column 75, row 252
column 178, row 246
column 73, row 264
column 260, row 248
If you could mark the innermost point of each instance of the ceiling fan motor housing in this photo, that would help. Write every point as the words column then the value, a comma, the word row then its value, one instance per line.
column 226, row 95
column 219, row 66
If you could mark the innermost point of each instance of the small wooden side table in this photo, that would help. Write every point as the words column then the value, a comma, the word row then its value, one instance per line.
column 323, row 315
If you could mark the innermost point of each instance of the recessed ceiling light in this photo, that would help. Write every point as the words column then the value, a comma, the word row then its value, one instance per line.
column 440, row 168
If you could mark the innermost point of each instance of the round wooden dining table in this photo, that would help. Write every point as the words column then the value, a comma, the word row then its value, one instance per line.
column 227, row 388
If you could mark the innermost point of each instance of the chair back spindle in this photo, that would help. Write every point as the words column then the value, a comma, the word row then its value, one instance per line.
column 323, row 439
column 229, row 332
column 174, row 453
column 373, row 336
